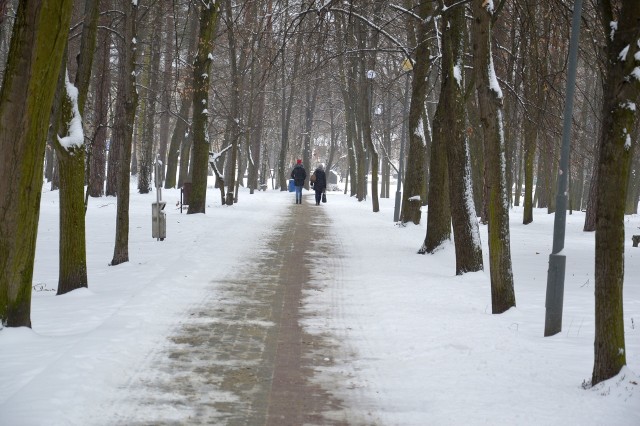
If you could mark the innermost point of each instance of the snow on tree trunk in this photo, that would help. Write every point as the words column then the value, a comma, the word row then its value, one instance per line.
column 201, row 70
column 464, row 218
column 415, row 172
column 491, row 116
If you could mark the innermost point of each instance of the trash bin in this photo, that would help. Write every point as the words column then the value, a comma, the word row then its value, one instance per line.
column 158, row 220
column 292, row 185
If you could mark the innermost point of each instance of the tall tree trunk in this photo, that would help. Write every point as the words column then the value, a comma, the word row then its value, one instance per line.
column 310, row 108
column 27, row 92
column 619, row 118
column 386, row 143
column 491, row 116
column 165, row 97
column 235, row 118
column 98, row 149
column 464, row 218
column 415, row 173
column 186, row 157
column 71, row 156
column 633, row 189
column 147, row 138
column 201, row 71
column 333, row 141
column 511, row 113
column 367, row 73
column 439, row 216
column 72, row 272
column 126, row 105
column 518, row 190
column 591, row 214
column 530, row 117
column 259, row 72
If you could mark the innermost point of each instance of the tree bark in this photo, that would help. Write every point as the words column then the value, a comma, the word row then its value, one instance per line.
column 147, row 138
column 619, row 118
column 126, row 105
column 464, row 218
column 26, row 97
column 530, row 117
column 259, row 72
column 439, row 215
column 165, row 97
column 201, row 70
column 491, row 117
column 72, row 272
column 179, row 136
column 98, row 149
column 415, row 172
column 71, row 162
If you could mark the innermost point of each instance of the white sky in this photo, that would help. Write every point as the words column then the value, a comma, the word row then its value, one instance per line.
column 422, row 345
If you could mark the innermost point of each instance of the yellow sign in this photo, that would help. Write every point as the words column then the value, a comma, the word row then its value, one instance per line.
column 407, row 65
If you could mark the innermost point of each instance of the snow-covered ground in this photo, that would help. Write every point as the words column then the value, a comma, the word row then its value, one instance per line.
column 424, row 347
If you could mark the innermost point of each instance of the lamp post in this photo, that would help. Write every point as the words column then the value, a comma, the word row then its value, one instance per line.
column 371, row 74
column 557, row 261
column 406, row 66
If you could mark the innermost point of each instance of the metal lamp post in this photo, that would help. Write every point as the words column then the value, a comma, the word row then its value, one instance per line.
column 371, row 74
column 557, row 260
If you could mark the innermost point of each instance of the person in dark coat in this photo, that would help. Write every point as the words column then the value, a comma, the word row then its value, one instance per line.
column 320, row 183
column 298, row 174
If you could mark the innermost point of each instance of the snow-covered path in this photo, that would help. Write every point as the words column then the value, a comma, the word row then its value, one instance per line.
column 404, row 341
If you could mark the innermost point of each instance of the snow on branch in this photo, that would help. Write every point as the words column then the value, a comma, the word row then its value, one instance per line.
column 75, row 136
column 408, row 12
column 375, row 27
column 213, row 156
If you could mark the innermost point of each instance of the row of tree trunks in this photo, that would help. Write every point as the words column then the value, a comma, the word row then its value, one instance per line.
column 165, row 97
column 152, row 85
column 180, row 141
column 259, row 74
column 287, row 108
column 98, row 149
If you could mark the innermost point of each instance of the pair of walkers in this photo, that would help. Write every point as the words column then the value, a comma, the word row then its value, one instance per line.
column 318, row 181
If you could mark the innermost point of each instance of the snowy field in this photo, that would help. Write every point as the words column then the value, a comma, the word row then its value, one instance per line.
column 424, row 347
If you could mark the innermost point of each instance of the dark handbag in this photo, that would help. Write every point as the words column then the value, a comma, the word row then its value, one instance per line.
column 324, row 197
